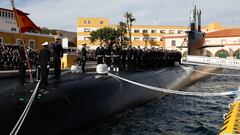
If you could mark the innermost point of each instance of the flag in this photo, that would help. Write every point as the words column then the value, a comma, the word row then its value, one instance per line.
column 24, row 22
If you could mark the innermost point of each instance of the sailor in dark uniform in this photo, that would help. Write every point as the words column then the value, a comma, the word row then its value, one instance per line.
column 99, row 54
column 83, row 57
column 107, row 59
column 123, row 58
column 57, row 52
column 44, row 58
column 22, row 64
column 139, row 57
column 116, row 58
column 130, row 58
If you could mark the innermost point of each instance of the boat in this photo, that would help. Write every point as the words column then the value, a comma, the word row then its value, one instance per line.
column 77, row 101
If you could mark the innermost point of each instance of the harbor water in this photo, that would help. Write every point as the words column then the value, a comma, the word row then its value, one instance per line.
column 174, row 114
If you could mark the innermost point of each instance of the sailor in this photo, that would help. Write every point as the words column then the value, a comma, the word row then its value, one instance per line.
column 123, row 58
column 100, row 54
column 83, row 57
column 107, row 59
column 116, row 57
column 57, row 53
column 22, row 64
column 130, row 58
column 44, row 59
column 139, row 57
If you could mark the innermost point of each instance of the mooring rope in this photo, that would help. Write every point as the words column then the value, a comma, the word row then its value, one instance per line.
column 25, row 112
column 208, row 73
column 199, row 94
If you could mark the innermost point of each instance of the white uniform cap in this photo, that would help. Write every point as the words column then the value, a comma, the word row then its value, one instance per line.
column 45, row 43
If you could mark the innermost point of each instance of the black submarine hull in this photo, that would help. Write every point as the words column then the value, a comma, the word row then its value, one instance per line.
column 77, row 101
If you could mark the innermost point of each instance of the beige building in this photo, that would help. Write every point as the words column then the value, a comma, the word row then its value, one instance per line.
column 223, row 41
column 142, row 35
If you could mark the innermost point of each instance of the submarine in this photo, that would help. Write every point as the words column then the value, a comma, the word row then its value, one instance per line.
column 77, row 101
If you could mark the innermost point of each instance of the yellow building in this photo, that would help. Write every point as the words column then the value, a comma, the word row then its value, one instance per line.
column 142, row 35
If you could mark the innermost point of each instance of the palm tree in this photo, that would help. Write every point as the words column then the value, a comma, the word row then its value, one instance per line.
column 122, row 28
column 129, row 19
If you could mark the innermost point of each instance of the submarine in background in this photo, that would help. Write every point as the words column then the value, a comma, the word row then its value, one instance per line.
column 77, row 101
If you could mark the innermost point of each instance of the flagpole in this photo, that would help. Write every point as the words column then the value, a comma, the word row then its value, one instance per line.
column 23, row 42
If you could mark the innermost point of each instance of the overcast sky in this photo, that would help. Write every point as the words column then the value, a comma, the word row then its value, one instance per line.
column 63, row 14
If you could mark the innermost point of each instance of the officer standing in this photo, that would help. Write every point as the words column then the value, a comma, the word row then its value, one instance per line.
column 116, row 58
column 107, row 59
column 44, row 58
column 100, row 54
column 22, row 64
column 84, row 57
column 57, row 52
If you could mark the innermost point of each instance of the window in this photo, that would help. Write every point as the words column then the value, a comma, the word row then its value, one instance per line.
column 6, row 14
column 101, row 22
column 145, row 31
column 173, row 42
column 153, row 31
column 162, row 31
column 136, row 31
column 85, row 22
column 171, row 31
column 86, row 38
column 31, row 44
column 13, row 29
column 145, row 39
column 207, row 42
column 180, row 31
column 136, row 38
column 153, row 39
column 86, row 30
column 235, row 42
column 0, row 13
column 1, row 41
column 89, row 22
column 223, row 42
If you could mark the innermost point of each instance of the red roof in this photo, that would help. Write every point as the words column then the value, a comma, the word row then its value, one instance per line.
column 224, row 33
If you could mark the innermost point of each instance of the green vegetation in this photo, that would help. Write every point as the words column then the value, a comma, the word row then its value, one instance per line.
column 129, row 20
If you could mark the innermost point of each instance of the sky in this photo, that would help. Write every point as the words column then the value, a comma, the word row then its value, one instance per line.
column 63, row 14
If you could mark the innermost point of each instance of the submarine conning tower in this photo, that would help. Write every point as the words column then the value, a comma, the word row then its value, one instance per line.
column 196, row 37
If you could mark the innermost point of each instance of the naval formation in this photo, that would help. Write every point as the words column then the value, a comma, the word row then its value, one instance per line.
column 116, row 57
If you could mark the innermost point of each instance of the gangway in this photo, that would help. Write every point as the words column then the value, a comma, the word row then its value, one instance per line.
column 212, row 62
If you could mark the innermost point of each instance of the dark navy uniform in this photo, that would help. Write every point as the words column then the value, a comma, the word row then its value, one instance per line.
column 139, row 58
column 44, row 58
column 22, row 64
column 84, row 57
column 116, row 58
column 100, row 55
column 107, row 52
column 57, row 52
column 123, row 59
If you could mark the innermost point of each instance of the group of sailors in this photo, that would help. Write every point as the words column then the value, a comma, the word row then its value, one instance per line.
column 131, row 58
column 43, row 59
column 10, row 57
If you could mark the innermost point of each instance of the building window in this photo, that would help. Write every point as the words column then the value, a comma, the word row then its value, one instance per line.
column 207, row 42
column 145, row 39
column 180, row 31
column 6, row 14
column 86, row 38
column 0, row 13
column 136, row 31
column 235, row 42
column 145, row 31
column 153, row 31
column 85, row 22
column 1, row 41
column 31, row 44
column 173, row 42
column 101, row 22
column 223, row 42
column 86, row 30
column 136, row 38
column 171, row 31
column 13, row 29
column 89, row 22
column 162, row 31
